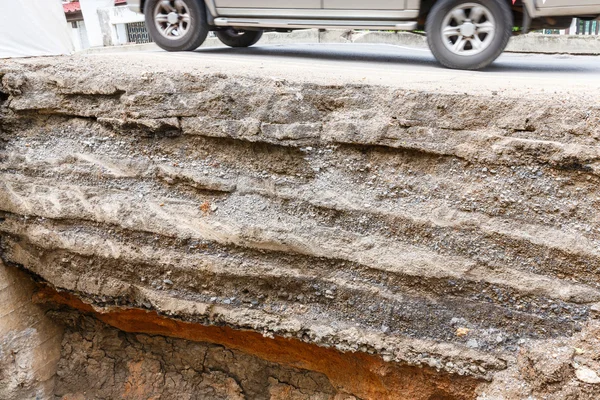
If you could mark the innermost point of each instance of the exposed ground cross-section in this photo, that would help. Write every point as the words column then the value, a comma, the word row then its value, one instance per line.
column 433, row 236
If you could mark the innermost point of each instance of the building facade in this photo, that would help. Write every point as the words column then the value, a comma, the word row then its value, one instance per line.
column 95, row 23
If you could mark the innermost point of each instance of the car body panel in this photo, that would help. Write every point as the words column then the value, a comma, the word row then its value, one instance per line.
column 556, row 8
column 244, row 23
column 268, row 4
column 358, row 10
column 397, row 15
column 365, row 5
column 568, row 4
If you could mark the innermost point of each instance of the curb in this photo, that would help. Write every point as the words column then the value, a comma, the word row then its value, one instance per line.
column 532, row 43
column 555, row 44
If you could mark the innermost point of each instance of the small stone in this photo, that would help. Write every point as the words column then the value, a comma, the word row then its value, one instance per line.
column 167, row 281
column 213, row 299
column 214, row 208
column 227, row 301
column 472, row 344
column 587, row 375
column 385, row 328
column 460, row 332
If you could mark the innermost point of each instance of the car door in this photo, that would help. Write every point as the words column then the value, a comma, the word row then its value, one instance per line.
column 567, row 7
column 364, row 5
column 264, row 7
column 373, row 9
column 565, row 3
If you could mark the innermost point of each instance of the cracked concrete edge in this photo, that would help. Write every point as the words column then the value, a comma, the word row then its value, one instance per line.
column 533, row 43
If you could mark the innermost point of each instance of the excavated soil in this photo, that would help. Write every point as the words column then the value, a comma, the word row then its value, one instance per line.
column 263, row 238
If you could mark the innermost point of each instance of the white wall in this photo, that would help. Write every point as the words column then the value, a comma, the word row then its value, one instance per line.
column 33, row 28
column 79, row 35
column 573, row 28
column 113, row 21
column 89, row 9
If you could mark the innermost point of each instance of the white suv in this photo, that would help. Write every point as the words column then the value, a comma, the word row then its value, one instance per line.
column 465, row 34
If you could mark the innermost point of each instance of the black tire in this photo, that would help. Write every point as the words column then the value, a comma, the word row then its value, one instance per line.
column 238, row 38
column 196, row 28
column 503, row 17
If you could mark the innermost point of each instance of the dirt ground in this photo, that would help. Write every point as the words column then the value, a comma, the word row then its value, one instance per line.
column 457, row 236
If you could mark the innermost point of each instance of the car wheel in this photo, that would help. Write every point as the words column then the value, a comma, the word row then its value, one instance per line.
column 239, row 38
column 469, row 34
column 176, row 25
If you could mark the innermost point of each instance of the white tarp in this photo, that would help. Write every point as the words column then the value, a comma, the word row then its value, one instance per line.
column 33, row 28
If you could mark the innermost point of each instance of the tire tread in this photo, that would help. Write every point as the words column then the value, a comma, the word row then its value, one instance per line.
column 248, row 39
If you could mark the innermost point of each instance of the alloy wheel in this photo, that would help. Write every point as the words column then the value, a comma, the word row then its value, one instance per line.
column 172, row 18
column 468, row 29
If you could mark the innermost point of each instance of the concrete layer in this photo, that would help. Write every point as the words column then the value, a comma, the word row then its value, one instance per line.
column 514, row 76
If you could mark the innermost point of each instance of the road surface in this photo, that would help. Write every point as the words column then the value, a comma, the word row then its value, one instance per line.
column 511, row 74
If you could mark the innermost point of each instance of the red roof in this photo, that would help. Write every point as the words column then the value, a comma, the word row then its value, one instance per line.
column 74, row 6
column 71, row 7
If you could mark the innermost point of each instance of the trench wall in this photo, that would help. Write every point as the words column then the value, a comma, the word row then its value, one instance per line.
column 428, row 237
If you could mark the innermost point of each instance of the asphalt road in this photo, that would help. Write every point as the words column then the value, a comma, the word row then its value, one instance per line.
column 511, row 74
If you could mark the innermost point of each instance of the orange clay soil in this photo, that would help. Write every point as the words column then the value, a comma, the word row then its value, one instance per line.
column 360, row 374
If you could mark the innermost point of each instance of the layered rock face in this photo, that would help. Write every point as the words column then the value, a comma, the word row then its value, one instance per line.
column 392, row 243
